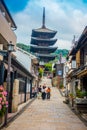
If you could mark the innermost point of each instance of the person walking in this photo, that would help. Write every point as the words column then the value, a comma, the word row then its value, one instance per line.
column 39, row 92
column 35, row 91
column 43, row 92
column 39, row 88
column 48, row 92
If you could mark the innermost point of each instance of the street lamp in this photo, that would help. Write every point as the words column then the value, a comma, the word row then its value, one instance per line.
column 10, row 49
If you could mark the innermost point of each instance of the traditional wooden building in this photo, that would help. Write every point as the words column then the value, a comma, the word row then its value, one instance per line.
column 7, row 27
column 42, row 40
column 77, row 75
column 21, row 79
column 79, row 55
column 7, row 35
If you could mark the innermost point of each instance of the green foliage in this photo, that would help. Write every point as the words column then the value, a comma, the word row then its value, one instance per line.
column 80, row 94
column 61, row 86
column 23, row 46
column 2, row 112
column 64, row 52
column 41, row 72
column 48, row 67
column 71, row 95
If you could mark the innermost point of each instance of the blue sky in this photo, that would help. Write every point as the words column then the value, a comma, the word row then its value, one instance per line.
column 16, row 5
column 67, row 17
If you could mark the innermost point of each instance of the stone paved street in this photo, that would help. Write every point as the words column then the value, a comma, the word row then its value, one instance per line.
column 46, row 114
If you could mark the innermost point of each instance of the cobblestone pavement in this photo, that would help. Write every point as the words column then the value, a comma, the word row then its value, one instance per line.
column 46, row 114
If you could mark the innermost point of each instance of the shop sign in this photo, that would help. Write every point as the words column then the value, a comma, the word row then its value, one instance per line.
column 59, row 72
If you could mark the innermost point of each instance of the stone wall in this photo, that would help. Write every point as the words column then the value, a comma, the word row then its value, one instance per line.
column 15, row 95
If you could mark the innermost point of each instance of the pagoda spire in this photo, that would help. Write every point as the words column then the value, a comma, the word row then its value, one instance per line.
column 43, row 21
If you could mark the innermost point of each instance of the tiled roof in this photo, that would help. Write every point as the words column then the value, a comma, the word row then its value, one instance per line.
column 44, row 30
column 42, row 39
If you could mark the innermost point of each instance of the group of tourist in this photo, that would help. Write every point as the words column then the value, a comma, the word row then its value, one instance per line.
column 42, row 92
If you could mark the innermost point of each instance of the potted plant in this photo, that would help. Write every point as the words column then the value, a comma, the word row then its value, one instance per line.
column 71, row 95
column 80, row 101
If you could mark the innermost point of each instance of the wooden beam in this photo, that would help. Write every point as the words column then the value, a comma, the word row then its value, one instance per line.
column 82, row 73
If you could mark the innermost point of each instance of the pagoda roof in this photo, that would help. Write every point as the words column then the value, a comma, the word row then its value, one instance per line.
column 46, row 57
column 42, row 49
column 48, row 41
column 43, row 30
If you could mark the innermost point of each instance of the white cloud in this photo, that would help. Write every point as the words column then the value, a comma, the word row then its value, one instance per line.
column 60, row 16
column 63, row 44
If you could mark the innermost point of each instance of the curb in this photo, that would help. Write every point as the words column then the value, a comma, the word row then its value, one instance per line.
column 61, row 93
column 11, row 119
column 78, row 114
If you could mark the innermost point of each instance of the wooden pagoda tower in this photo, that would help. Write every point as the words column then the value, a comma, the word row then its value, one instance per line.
column 42, row 41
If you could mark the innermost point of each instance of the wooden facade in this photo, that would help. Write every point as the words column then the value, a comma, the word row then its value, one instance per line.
column 78, row 77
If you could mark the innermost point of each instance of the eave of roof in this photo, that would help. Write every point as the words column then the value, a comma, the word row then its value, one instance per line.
column 41, row 39
column 43, row 47
column 17, row 64
column 81, row 71
column 27, row 53
column 80, row 42
column 44, row 30
column 2, row 1
column 45, row 55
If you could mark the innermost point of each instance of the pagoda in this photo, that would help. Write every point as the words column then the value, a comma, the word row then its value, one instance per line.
column 42, row 41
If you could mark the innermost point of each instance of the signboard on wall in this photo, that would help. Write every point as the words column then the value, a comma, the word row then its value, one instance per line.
column 59, row 72
column 73, row 64
column 66, row 69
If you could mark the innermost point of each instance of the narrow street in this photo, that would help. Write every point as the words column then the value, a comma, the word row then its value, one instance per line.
column 40, row 41
column 46, row 114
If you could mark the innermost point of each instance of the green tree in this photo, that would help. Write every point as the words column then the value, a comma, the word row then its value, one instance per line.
column 48, row 67
column 24, row 47
column 41, row 72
